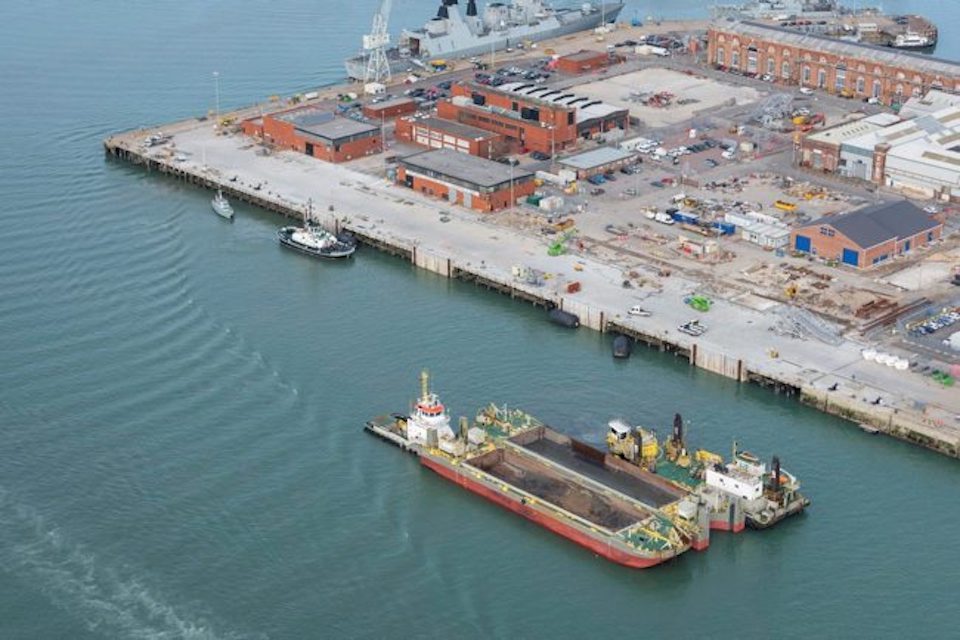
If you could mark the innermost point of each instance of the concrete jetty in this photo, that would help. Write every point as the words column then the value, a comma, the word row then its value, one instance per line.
column 456, row 243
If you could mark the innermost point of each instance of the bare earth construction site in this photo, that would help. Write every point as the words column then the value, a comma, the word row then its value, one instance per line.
column 696, row 212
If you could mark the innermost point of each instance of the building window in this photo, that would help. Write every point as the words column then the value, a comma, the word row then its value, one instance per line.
column 785, row 70
column 821, row 78
column 721, row 57
column 877, row 86
column 929, row 236
column 735, row 60
column 827, row 231
column 771, row 66
column 861, row 85
column 806, row 75
column 840, row 81
column 899, row 91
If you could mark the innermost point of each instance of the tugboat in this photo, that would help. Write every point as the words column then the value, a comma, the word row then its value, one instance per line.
column 222, row 206
column 314, row 240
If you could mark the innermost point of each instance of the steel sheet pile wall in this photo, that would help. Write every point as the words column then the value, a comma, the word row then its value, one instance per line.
column 717, row 362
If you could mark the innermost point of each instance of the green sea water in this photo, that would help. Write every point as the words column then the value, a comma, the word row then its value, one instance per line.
column 181, row 401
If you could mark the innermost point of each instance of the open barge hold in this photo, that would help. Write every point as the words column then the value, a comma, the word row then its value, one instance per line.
column 610, row 502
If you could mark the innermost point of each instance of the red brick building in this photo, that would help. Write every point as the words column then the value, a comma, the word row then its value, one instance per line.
column 582, row 61
column 389, row 109
column 821, row 149
column 475, row 183
column 527, row 122
column 848, row 68
column 434, row 133
column 868, row 236
column 316, row 133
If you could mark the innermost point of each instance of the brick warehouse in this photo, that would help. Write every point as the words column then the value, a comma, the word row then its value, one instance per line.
column 388, row 109
column 527, row 122
column 582, row 61
column 868, row 236
column 593, row 117
column 854, row 69
column 434, row 133
column 317, row 133
column 475, row 183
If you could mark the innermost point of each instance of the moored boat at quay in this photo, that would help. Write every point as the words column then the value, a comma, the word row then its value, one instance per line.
column 313, row 240
column 638, row 504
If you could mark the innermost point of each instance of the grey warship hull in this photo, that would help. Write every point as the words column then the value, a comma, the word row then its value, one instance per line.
column 463, row 44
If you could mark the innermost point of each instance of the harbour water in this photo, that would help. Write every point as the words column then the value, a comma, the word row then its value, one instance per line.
column 181, row 400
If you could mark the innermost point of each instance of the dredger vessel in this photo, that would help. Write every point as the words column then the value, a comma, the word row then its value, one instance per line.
column 639, row 503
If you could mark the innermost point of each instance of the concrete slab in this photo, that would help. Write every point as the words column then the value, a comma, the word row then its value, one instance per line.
column 709, row 94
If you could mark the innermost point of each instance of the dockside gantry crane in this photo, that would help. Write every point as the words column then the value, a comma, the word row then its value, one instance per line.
column 375, row 45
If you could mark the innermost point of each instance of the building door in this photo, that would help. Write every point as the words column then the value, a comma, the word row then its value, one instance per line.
column 851, row 257
column 802, row 243
column 906, row 247
column 309, row 149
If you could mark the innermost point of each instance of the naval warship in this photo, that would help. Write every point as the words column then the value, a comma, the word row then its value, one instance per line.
column 458, row 33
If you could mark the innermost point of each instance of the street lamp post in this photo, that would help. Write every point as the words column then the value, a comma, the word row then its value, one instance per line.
column 513, row 199
column 216, row 93
column 553, row 145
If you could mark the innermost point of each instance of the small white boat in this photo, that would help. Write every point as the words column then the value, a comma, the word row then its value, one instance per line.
column 222, row 206
column 637, row 310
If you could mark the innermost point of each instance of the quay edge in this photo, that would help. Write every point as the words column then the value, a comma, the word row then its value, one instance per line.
column 904, row 425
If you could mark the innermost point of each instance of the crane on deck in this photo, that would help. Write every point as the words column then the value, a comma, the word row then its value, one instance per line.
column 375, row 46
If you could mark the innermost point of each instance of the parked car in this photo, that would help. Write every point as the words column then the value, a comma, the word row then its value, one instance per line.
column 540, row 155
column 597, row 179
column 806, row 91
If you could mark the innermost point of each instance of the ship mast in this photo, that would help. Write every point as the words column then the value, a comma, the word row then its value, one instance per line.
column 424, row 385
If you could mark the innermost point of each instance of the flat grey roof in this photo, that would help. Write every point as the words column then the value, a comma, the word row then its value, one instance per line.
column 884, row 55
column 386, row 104
column 325, row 124
column 464, row 167
column 596, row 158
column 338, row 129
column 455, row 128
column 870, row 226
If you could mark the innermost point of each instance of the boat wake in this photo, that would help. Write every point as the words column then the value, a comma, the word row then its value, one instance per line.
column 75, row 580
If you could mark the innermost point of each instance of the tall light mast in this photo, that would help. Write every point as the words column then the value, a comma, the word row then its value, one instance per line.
column 375, row 45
